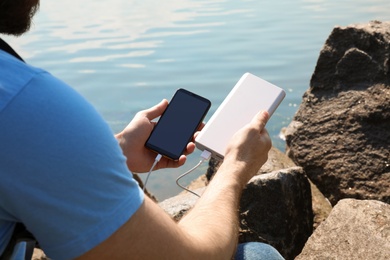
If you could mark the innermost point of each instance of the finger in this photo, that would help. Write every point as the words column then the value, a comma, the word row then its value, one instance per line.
column 190, row 148
column 260, row 120
column 157, row 110
column 196, row 134
column 181, row 160
column 175, row 164
column 201, row 126
column 198, row 131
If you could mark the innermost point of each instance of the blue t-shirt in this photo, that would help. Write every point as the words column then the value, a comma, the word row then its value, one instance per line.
column 62, row 172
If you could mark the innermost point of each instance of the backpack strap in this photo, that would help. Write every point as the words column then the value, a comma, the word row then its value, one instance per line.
column 20, row 233
column 5, row 47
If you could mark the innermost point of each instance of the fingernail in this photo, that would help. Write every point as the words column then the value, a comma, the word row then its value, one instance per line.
column 265, row 114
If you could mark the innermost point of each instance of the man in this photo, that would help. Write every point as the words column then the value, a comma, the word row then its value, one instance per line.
column 67, row 178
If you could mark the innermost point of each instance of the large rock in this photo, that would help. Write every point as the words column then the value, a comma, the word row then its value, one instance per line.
column 275, row 208
column 354, row 230
column 341, row 133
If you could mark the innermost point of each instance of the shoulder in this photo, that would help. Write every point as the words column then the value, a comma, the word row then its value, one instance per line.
column 62, row 157
column 14, row 76
column 15, row 71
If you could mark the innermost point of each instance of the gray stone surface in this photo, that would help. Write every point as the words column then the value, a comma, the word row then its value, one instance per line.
column 179, row 205
column 276, row 209
column 354, row 230
column 340, row 134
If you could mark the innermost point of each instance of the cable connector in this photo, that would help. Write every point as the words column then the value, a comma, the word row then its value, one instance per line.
column 205, row 155
column 158, row 158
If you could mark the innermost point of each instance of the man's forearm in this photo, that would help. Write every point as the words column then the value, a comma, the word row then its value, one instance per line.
column 214, row 219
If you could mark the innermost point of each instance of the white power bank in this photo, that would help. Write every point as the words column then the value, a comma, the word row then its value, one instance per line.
column 250, row 95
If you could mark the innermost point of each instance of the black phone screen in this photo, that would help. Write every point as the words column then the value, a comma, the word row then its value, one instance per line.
column 177, row 125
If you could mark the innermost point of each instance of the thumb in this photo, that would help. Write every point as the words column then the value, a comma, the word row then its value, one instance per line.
column 260, row 120
column 156, row 110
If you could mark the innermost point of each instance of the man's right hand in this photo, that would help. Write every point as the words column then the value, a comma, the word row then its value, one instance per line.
column 249, row 147
column 132, row 141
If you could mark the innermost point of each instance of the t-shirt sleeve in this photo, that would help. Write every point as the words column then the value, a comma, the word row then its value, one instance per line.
column 62, row 172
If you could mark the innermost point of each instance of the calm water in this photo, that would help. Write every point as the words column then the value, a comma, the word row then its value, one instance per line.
column 127, row 55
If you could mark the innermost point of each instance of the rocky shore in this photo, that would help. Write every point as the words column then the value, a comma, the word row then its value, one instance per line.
column 327, row 196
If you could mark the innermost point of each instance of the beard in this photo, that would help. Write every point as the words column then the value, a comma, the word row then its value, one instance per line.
column 16, row 15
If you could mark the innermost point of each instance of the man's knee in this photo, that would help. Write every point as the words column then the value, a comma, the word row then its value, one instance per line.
column 258, row 251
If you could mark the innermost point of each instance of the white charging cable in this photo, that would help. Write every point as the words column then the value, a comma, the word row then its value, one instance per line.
column 204, row 157
column 158, row 158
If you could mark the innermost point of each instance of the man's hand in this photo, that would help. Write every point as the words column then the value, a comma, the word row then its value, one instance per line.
column 132, row 141
column 249, row 147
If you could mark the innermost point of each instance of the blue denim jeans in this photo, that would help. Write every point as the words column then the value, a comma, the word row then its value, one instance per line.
column 257, row 251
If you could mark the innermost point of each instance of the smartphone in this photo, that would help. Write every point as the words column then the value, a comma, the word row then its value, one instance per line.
column 250, row 95
column 178, row 124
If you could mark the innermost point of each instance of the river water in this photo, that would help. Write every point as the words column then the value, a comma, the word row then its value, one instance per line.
column 127, row 55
